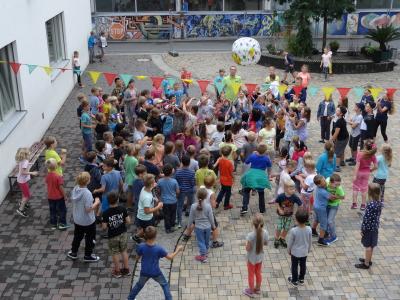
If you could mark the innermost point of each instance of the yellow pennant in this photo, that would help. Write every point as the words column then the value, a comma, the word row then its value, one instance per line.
column 141, row 77
column 328, row 90
column 375, row 92
column 48, row 70
column 2, row 61
column 94, row 76
column 187, row 80
column 282, row 89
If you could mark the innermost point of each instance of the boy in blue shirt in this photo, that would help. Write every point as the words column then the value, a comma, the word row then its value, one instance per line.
column 169, row 190
column 86, row 127
column 151, row 253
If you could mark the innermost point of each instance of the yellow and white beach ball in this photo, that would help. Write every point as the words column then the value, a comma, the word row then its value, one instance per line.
column 246, row 51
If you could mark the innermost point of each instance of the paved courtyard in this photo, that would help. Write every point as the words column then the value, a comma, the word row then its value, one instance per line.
column 33, row 264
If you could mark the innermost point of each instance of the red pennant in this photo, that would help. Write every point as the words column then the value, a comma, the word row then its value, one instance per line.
column 15, row 67
column 157, row 81
column 343, row 91
column 251, row 87
column 203, row 85
column 297, row 89
column 109, row 77
column 390, row 92
column 63, row 70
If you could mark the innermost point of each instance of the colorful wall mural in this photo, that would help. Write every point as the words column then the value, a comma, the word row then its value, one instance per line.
column 226, row 25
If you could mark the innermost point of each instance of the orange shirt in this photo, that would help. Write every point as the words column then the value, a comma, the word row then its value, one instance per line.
column 225, row 171
column 305, row 78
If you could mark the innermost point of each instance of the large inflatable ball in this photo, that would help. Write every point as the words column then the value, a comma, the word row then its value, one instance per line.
column 246, row 51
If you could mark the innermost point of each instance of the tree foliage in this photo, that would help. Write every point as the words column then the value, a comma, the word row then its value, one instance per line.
column 384, row 35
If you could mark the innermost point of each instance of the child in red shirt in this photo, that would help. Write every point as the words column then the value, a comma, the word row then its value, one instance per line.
column 225, row 166
column 56, row 196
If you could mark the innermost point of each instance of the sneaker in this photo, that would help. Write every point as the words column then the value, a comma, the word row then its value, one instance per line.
column 362, row 207
column 276, row 244
column 63, row 226
column 179, row 226
column 216, row 244
column 342, row 164
column 201, row 258
column 171, row 230
column 186, row 237
column 53, row 227
column 301, row 282
column 314, row 232
column 91, row 258
column 363, row 261
column 229, row 206
column 240, row 192
column 338, row 169
column 353, row 206
column 125, row 272
column 283, row 243
column 293, row 283
column 243, row 211
column 22, row 213
column 136, row 239
column 349, row 159
column 322, row 242
column 27, row 205
column 72, row 255
column 248, row 292
column 352, row 163
column 116, row 274
column 332, row 240
column 362, row 266
column 322, row 141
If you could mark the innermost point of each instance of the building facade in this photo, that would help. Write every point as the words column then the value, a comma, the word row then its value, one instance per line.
column 42, row 35
column 132, row 20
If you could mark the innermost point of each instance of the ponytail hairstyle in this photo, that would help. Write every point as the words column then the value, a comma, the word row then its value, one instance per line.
column 330, row 148
column 387, row 154
column 228, row 137
column 201, row 196
column 390, row 99
column 258, row 223
column 369, row 149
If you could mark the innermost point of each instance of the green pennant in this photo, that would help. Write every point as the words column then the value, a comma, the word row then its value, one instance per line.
column 31, row 68
column 125, row 78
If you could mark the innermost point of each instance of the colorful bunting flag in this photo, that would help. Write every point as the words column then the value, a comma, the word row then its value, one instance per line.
column 171, row 81
column 109, row 77
column 48, row 70
column 94, row 76
column 65, row 69
column 189, row 81
column 203, row 85
column 343, row 91
column 297, row 89
column 156, row 81
column 375, row 92
column 15, row 67
column 358, row 91
column 282, row 89
column 312, row 90
column 390, row 92
column 31, row 68
column 250, row 88
column 125, row 78
column 328, row 90
column 141, row 77
column 265, row 87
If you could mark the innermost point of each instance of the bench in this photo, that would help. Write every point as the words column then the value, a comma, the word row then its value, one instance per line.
column 35, row 154
column 155, row 31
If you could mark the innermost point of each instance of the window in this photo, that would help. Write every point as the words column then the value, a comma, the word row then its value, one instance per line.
column 243, row 5
column 55, row 39
column 9, row 97
column 202, row 5
column 383, row 4
column 134, row 5
column 155, row 5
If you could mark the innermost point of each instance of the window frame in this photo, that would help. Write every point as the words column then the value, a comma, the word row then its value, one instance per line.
column 58, row 39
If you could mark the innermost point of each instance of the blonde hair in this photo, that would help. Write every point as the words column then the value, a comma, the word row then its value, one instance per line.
column 83, row 179
column 22, row 154
column 158, row 139
column 307, row 156
column 51, row 164
column 309, row 164
column 289, row 183
column 387, row 154
column 112, row 98
column 258, row 223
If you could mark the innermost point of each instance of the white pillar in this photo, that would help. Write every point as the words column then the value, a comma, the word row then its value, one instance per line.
column 268, row 4
column 178, row 5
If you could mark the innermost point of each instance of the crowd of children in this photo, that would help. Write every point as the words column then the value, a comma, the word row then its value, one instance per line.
column 173, row 156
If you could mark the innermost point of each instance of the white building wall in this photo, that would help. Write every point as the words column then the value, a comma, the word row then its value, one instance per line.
column 23, row 22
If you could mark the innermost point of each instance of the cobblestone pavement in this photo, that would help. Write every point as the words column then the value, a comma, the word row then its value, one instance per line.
column 33, row 264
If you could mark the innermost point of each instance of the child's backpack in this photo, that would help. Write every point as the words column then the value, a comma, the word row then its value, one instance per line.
column 168, row 123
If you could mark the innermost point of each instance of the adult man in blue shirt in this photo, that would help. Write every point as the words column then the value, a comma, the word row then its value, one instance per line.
column 91, row 43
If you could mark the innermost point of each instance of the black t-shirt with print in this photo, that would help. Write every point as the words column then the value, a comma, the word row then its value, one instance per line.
column 287, row 203
column 343, row 133
column 115, row 219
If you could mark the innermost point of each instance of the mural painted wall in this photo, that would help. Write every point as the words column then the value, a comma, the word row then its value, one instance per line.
column 226, row 25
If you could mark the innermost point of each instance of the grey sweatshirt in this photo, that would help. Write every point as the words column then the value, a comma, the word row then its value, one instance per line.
column 299, row 241
column 204, row 218
column 81, row 199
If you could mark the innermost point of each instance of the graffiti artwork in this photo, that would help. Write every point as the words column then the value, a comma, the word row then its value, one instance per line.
column 370, row 20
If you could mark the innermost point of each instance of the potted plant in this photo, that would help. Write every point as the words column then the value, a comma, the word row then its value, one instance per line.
column 374, row 53
column 383, row 35
column 334, row 45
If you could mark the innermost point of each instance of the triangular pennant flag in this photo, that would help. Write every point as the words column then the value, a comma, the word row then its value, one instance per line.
column 2, row 61
column 328, row 90
column 282, row 89
column 343, row 91
column 64, row 69
column 390, row 92
column 94, row 76
column 265, row 87
column 203, row 85
column 219, row 85
column 358, row 91
column 48, row 70
column 15, row 67
column 251, row 88
column 141, row 77
column 375, row 92
column 312, row 90
column 297, row 89
column 109, row 77
column 31, row 68
column 157, row 81
column 187, row 80
column 125, row 78
column 171, row 81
